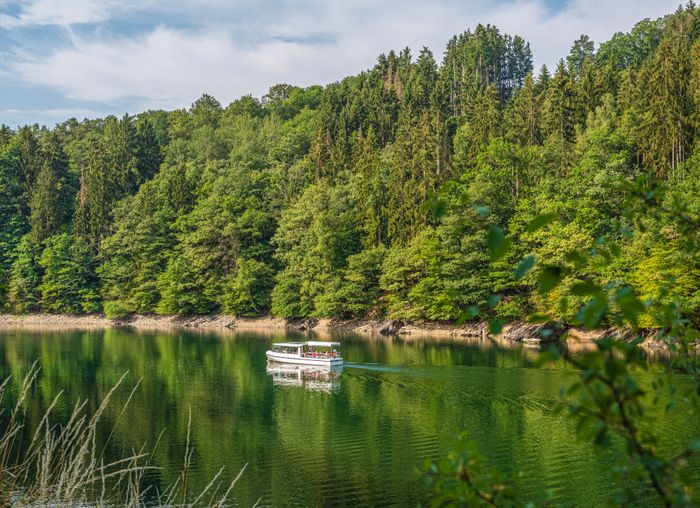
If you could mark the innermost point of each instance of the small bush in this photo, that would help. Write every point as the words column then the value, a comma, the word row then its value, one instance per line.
column 115, row 310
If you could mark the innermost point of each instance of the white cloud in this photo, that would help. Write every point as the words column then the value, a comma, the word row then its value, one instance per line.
column 57, row 12
column 168, row 67
column 50, row 117
column 57, row 113
column 551, row 35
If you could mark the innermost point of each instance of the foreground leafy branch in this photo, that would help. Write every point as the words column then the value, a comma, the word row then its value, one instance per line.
column 609, row 399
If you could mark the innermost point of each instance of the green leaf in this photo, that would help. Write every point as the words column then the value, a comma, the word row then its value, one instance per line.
column 439, row 208
column 695, row 446
column 615, row 250
column 592, row 314
column 614, row 368
column 538, row 318
column 574, row 389
column 524, row 267
column 604, row 344
column 498, row 243
column 470, row 313
column 495, row 326
column 563, row 305
column 575, row 258
column 585, row 288
column 548, row 279
column 546, row 357
column 493, row 300
column 628, row 303
column 482, row 210
column 540, row 221
column 601, row 437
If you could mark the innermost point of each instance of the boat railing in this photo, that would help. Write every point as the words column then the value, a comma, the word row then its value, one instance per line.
column 320, row 354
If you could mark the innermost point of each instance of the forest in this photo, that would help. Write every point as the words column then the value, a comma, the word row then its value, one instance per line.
column 376, row 196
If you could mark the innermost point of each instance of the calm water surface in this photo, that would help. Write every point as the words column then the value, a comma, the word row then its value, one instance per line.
column 353, row 440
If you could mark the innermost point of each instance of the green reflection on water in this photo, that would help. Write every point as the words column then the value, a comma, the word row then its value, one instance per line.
column 395, row 404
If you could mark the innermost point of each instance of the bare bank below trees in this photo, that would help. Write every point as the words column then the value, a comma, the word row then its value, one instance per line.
column 513, row 332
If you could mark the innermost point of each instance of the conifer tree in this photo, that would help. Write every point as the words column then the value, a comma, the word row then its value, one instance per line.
column 557, row 109
column 25, row 276
column 582, row 51
column 13, row 221
column 523, row 115
column 52, row 193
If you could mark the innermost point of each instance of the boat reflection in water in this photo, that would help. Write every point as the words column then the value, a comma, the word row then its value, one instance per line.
column 323, row 379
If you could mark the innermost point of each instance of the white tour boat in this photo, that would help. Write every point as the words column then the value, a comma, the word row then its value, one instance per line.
column 323, row 354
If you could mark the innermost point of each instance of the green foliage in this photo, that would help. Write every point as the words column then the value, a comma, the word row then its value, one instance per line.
column 249, row 292
column 613, row 402
column 115, row 310
column 463, row 477
column 355, row 293
column 668, row 274
column 287, row 297
column 435, row 276
column 52, row 194
column 415, row 189
column 615, row 385
column 180, row 293
column 136, row 253
column 25, row 277
column 13, row 219
column 314, row 239
column 67, row 285
column 361, row 281
column 464, row 189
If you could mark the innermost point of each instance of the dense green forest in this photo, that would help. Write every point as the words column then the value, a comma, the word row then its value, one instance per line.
column 372, row 196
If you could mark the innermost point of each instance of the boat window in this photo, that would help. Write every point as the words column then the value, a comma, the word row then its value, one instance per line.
column 284, row 349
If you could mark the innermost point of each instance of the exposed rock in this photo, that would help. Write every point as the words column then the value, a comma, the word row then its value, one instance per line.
column 303, row 324
column 520, row 332
column 471, row 330
column 390, row 327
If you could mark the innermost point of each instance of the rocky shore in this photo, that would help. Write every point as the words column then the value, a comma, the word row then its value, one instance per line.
column 512, row 332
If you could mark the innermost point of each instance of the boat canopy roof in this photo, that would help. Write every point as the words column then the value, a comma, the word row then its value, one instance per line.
column 288, row 344
column 322, row 344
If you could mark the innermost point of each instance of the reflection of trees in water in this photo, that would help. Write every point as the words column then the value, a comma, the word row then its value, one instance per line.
column 392, row 408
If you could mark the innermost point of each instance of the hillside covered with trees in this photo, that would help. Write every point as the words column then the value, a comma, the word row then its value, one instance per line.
column 373, row 196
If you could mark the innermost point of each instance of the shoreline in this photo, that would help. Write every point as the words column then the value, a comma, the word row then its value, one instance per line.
column 515, row 331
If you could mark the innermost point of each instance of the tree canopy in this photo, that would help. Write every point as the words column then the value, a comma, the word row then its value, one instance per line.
column 373, row 196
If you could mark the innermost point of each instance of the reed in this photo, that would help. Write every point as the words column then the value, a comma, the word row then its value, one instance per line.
column 64, row 465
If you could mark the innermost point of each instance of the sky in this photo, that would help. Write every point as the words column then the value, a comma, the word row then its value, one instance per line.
column 90, row 58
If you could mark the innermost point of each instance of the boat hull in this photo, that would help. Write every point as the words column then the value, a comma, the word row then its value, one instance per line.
column 290, row 358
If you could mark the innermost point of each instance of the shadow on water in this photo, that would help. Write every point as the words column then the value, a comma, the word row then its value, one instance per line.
column 356, row 437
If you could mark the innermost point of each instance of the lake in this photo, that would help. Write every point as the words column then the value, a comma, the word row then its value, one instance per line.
column 356, row 439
